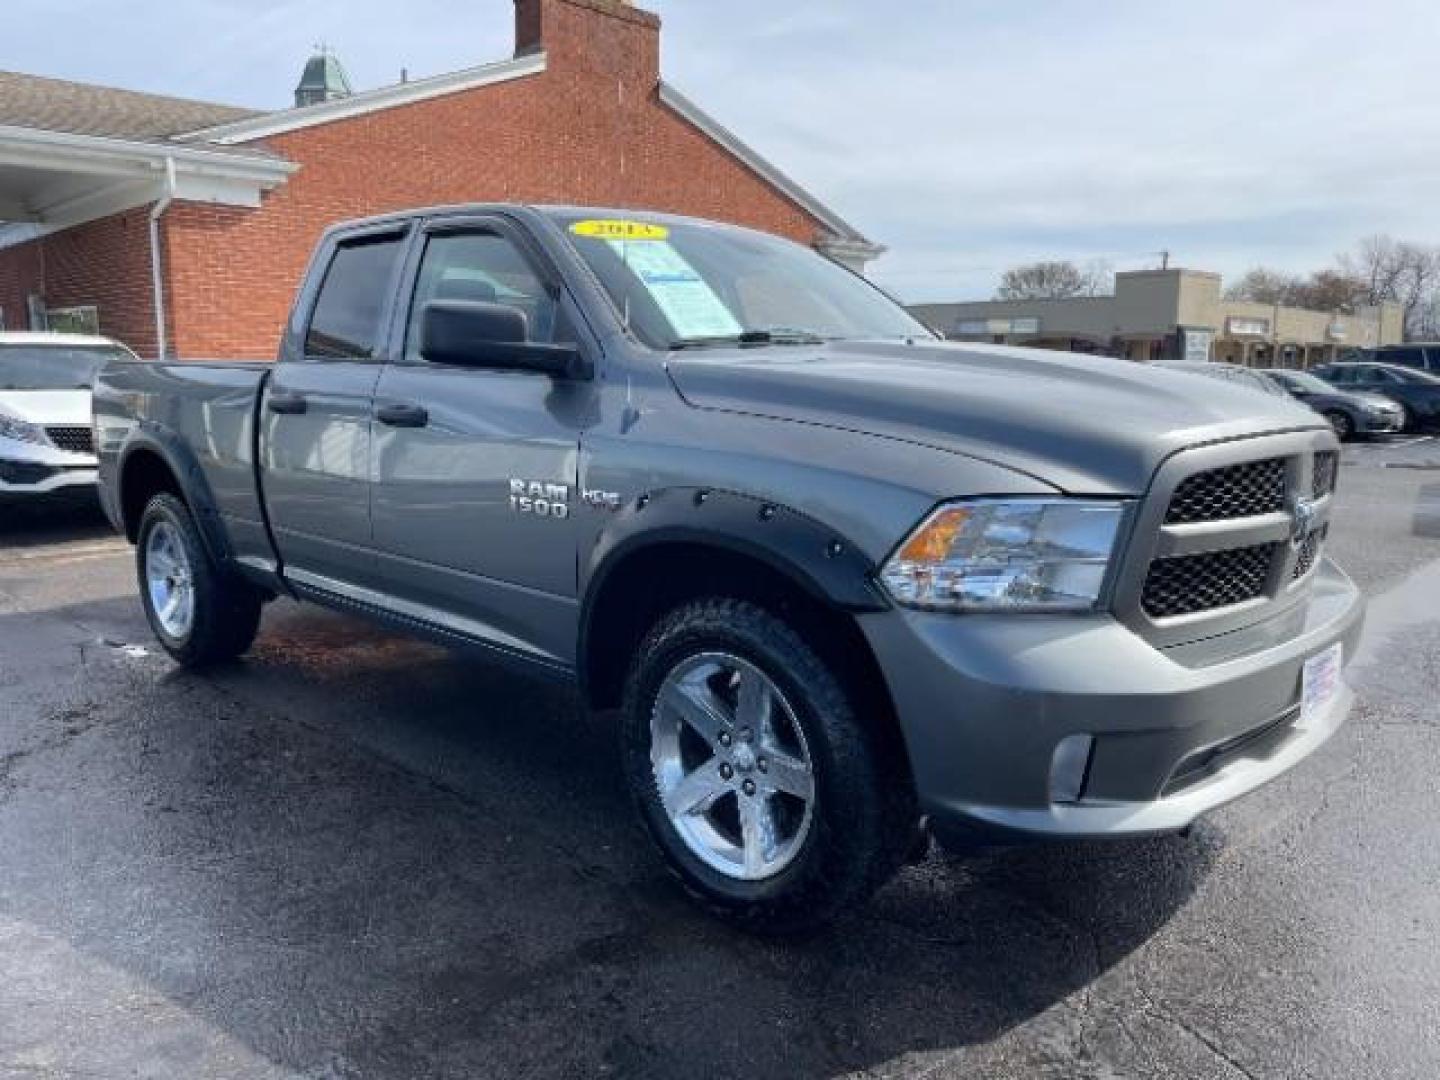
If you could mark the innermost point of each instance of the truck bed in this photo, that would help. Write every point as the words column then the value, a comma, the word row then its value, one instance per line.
column 202, row 418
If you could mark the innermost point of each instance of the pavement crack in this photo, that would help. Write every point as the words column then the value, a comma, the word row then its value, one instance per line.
column 1210, row 1045
column 72, row 723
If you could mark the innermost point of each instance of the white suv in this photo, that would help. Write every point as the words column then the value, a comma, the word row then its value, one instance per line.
column 46, row 383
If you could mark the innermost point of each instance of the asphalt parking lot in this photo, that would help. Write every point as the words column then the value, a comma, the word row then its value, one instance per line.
column 354, row 855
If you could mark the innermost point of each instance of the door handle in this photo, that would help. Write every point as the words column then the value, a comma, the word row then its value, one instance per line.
column 403, row 416
column 287, row 404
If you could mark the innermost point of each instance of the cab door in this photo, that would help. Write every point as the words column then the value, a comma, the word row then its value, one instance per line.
column 475, row 470
column 316, row 414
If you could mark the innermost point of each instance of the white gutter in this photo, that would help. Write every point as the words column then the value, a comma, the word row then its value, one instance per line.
column 31, row 148
column 157, row 279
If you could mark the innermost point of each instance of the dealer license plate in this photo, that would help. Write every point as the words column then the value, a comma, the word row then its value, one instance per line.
column 1319, row 683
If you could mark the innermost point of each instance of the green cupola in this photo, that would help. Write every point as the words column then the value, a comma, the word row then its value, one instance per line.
column 324, row 79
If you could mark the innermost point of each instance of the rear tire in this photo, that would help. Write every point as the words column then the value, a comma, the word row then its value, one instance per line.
column 200, row 614
column 704, row 795
column 1342, row 423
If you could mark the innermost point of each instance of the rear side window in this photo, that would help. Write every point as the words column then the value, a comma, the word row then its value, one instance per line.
column 346, row 321
column 1406, row 357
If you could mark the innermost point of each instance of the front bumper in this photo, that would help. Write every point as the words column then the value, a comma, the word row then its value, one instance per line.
column 1380, row 424
column 984, row 701
column 24, row 478
column 31, row 469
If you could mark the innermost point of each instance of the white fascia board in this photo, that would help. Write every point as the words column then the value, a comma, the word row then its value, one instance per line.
column 758, row 164
column 389, row 97
column 97, row 155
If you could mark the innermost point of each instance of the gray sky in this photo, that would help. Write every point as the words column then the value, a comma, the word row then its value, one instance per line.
column 966, row 135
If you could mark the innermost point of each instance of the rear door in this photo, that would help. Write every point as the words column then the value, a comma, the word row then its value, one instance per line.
column 475, row 470
column 316, row 412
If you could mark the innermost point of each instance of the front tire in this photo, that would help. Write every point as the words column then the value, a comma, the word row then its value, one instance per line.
column 200, row 615
column 770, row 798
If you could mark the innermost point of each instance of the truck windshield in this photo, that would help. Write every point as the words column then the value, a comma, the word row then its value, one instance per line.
column 54, row 367
column 681, row 283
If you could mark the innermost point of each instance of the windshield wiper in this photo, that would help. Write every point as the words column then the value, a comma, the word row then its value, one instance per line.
column 779, row 335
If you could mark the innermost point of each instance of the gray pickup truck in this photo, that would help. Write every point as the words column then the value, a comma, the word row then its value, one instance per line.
column 842, row 580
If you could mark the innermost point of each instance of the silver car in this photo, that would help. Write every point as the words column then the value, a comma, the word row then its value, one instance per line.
column 46, row 386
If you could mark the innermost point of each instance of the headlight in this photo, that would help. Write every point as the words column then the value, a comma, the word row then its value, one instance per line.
column 12, row 427
column 1007, row 555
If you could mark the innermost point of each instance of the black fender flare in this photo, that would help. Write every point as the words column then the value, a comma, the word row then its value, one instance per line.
column 195, row 489
column 814, row 557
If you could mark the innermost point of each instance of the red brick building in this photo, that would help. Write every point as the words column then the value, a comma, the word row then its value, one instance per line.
column 184, row 226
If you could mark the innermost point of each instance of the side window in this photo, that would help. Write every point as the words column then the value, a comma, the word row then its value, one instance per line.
column 1408, row 357
column 345, row 324
column 483, row 267
column 1344, row 376
column 1377, row 375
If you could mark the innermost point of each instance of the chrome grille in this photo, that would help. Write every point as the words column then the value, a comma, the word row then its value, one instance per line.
column 1186, row 584
column 1256, row 487
column 1225, row 533
column 1322, row 479
column 74, row 438
column 1309, row 554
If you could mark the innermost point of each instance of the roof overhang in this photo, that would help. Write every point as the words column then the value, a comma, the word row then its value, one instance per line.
column 53, row 180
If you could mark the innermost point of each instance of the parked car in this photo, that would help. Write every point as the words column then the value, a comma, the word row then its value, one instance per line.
column 1417, row 392
column 838, row 576
column 45, row 410
column 1421, row 355
column 1231, row 373
column 1350, row 412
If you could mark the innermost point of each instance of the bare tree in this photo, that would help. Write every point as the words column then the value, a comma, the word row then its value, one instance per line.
column 1099, row 277
column 1264, row 286
column 1398, row 272
column 1324, row 290
column 1331, row 290
column 1050, row 281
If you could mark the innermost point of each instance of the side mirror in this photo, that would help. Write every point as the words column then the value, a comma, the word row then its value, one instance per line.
column 468, row 333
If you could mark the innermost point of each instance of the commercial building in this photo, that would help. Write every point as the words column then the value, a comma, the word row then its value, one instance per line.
column 1170, row 314
column 182, row 227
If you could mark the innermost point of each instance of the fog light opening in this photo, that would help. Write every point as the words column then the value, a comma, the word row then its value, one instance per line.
column 1070, row 768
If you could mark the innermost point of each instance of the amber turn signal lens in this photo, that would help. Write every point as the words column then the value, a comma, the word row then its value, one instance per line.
column 932, row 543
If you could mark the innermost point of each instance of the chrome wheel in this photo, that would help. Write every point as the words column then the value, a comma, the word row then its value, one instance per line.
column 732, row 766
column 169, row 581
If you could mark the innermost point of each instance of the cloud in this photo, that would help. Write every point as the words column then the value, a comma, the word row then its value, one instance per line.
column 965, row 134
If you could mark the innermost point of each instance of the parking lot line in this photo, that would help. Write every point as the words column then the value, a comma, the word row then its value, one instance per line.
column 67, row 554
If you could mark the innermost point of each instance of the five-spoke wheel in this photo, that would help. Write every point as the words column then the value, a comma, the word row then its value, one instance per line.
column 732, row 765
column 770, row 779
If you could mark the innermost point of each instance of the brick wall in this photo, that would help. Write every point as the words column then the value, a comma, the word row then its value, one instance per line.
column 21, row 273
column 589, row 130
column 104, row 262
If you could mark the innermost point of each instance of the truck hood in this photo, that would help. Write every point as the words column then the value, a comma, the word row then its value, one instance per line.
column 1083, row 424
column 52, row 407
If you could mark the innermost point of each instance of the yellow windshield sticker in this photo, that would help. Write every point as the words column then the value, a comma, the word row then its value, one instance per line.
column 620, row 230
